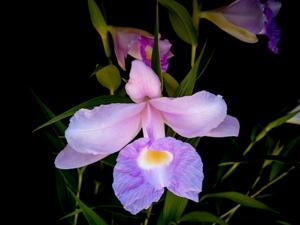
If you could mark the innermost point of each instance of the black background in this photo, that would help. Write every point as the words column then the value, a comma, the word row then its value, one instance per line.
column 257, row 85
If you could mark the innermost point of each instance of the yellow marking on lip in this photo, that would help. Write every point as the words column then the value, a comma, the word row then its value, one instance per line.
column 148, row 51
column 149, row 158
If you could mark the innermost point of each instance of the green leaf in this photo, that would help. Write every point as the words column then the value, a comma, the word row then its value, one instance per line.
column 277, row 167
column 100, row 25
column 283, row 222
column 97, row 18
column 49, row 114
column 89, row 214
column 202, row 216
column 239, row 198
column 274, row 124
column 173, row 209
column 181, row 21
column 88, row 104
column 155, row 58
column 186, row 87
column 171, row 84
column 109, row 77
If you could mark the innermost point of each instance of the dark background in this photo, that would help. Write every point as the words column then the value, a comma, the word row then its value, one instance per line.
column 257, row 85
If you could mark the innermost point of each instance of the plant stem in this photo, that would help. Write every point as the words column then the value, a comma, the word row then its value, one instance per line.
column 148, row 216
column 80, row 172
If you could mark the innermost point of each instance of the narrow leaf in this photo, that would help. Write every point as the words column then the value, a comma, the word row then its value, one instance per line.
column 89, row 214
column 181, row 21
column 203, row 217
column 49, row 114
column 97, row 17
column 88, row 104
column 186, row 87
column 171, row 84
column 173, row 209
column 155, row 58
column 239, row 198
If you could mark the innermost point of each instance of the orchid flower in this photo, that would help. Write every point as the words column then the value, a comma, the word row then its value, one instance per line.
column 243, row 19
column 94, row 134
column 144, row 168
column 139, row 45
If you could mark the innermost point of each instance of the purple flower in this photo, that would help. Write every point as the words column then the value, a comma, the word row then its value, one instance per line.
column 244, row 19
column 144, row 168
column 138, row 44
column 97, row 133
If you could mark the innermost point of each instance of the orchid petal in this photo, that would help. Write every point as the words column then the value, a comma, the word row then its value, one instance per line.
column 122, row 42
column 104, row 129
column 185, row 171
column 228, row 128
column 224, row 24
column 143, row 82
column 68, row 158
column 192, row 116
column 125, row 39
column 246, row 14
column 130, row 186
column 152, row 123
column 145, row 167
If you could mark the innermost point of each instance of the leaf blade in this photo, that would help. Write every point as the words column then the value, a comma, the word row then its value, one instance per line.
column 87, row 104
column 181, row 21
column 239, row 198
column 202, row 216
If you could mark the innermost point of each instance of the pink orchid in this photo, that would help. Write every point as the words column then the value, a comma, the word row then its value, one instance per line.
column 94, row 134
column 139, row 44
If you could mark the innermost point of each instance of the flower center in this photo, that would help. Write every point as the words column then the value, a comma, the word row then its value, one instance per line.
column 148, row 51
column 149, row 159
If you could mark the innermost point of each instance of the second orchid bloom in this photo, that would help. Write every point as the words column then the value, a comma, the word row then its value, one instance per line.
column 138, row 44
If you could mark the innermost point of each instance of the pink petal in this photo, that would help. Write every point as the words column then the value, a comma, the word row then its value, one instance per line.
column 152, row 123
column 104, row 129
column 143, row 82
column 192, row 116
column 122, row 42
column 229, row 127
column 68, row 158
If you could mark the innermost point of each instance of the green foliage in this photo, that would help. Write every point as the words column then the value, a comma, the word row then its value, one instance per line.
column 89, row 214
column 109, row 77
column 173, row 208
column 239, row 198
column 87, row 104
column 181, row 21
column 201, row 216
column 170, row 84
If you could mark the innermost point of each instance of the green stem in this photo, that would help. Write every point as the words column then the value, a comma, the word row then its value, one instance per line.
column 193, row 55
column 148, row 216
column 80, row 177
column 195, row 19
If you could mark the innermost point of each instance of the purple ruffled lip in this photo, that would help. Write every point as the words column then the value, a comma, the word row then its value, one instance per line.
column 164, row 50
column 271, row 29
